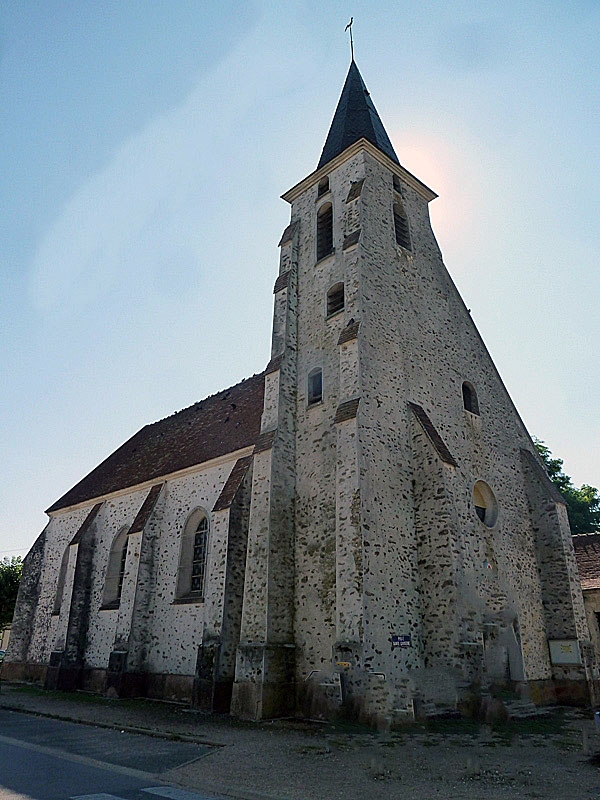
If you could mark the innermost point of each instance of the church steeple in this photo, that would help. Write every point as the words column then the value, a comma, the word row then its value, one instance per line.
column 355, row 118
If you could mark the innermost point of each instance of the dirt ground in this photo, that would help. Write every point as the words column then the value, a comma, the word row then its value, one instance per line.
column 550, row 757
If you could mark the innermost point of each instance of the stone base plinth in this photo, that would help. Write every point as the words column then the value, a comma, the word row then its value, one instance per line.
column 264, row 684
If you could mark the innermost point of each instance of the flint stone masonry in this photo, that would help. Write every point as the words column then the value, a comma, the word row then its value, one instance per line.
column 347, row 570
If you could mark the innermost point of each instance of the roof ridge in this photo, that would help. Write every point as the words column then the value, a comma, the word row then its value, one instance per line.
column 204, row 400
column 222, row 423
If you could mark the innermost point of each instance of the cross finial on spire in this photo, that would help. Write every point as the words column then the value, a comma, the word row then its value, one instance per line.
column 349, row 27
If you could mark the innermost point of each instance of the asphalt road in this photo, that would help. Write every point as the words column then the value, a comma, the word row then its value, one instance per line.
column 45, row 759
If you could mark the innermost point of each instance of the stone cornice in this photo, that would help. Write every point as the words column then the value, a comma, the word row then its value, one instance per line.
column 362, row 144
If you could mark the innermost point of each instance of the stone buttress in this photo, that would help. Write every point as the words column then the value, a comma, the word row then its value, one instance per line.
column 264, row 672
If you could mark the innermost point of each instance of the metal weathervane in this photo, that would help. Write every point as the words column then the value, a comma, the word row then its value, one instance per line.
column 349, row 27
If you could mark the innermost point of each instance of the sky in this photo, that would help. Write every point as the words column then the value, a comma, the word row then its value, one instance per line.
column 143, row 151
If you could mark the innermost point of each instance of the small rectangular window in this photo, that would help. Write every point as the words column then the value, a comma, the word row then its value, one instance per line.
column 315, row 387
column 323, row 187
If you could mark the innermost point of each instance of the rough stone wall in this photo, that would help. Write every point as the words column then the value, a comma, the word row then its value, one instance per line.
column 239, row 519
column 563, row 604
column 160, row 636
column 437, row 543
column 26, row 604
column 175, row 630
column 417, row 342
column 49, row 631
column 320, row 574
column 265, row 657
column 104, row 630
column 78, row 626
column 138, row 646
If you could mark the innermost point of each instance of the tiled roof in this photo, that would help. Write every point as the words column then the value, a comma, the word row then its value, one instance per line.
column 223, row 423
column 355, row 118
column 282, row 282
column 587, row 553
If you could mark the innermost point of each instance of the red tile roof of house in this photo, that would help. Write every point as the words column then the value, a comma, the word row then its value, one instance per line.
column 220, row 424
column 587, row 553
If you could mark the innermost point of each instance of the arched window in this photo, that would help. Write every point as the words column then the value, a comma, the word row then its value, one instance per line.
column 335, row 299
column 324, row 231
column 115, row 572
column 323, row 187
column 486, row 506
column 470, row 398
column 193, row 557
column 315, row 386
column 60, row 584
column 401, row 226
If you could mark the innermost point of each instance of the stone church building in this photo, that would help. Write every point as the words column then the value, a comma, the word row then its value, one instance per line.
column 364, row 524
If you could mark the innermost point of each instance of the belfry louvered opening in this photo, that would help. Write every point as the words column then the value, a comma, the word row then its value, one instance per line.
column 324, row 231
column 335, row 299
column 401, row 226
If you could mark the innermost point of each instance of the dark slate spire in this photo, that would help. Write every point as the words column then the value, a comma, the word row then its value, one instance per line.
column 355, row 118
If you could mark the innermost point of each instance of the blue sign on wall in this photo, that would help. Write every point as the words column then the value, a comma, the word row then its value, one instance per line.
column 400, row 641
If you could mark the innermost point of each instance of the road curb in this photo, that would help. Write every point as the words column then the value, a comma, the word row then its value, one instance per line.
column 172, row 737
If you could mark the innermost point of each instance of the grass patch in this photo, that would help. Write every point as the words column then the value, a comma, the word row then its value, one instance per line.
column 445, row 726
column 313, row 750
column 548, row 725
column 80, row 697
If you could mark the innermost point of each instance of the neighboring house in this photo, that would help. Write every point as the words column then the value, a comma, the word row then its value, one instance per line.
column 367, row 522
column 587, row 553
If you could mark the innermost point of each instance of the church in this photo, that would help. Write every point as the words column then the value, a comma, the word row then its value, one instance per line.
column 364, row 527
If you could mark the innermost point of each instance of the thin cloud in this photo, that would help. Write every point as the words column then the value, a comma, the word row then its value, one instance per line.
column 145, row 200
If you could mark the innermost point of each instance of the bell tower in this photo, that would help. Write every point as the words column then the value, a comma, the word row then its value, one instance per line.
column 394, row 552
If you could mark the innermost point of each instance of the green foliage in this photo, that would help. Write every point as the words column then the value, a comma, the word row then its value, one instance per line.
column 10, row 577
column 583, row 505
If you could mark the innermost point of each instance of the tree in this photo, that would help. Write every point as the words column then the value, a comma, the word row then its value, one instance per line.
column 10, row 577
column 583, row 505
